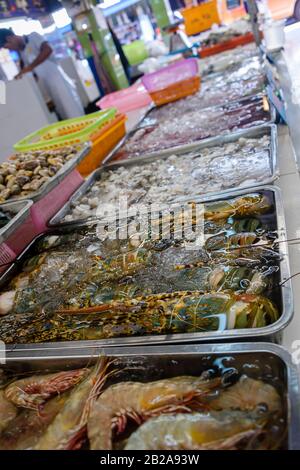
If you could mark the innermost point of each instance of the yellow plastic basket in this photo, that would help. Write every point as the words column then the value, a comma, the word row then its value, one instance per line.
column 68, row 132
column 110, row 136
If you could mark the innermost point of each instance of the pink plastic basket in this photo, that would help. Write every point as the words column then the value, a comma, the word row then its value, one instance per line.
column 126, row 100
column 177, row 72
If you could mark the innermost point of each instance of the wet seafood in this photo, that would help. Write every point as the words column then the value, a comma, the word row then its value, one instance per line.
column 225, row 33
column 7, row 302
column 25, row 173
column 197, row 172
column 240, row 279
column 24, row 431
column 180, row 312
column 68, row 429
column 177, row 312
column 172, row 402
column 248, row 205
column 33, row 391
column 77, row 287
column 197, row 431
column 216, row 90
column 7, row 411
column 140, row 401
column 248, row 394
column 229, row 241
column 229, row 61
column 154, row 136
column 121, row 265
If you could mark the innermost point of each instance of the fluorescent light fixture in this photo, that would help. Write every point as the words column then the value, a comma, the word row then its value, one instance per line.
column 61, row 18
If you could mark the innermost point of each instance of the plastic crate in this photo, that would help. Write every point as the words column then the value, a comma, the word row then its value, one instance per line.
column 111, row 135
column 69, row 132
column 173, row 82
column 126, row 100
column 167, row 76
column 226, row 45
column 177, row 91
column 201, row 17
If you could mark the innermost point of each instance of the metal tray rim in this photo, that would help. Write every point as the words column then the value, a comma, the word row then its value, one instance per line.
column 17, row 220
column 208, row 142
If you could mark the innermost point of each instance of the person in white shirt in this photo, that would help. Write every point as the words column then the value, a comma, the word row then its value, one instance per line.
column 36, row 55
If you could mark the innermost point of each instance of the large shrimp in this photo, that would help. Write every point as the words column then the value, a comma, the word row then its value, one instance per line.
column 140, row 401
column 31, row 392
column 7, row 411
column 68, row 430
column 197, row 431
column 24, row 431
column 247, row 394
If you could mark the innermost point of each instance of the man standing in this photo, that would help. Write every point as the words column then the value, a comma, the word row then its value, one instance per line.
column 36, row 55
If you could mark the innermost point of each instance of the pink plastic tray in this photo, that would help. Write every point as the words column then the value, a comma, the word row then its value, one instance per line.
column 40, row 213
column 177, row 72
column 44, row 209
column 7, row 256
column 126, row 100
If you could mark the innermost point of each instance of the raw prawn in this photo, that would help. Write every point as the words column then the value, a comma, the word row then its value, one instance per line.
column 140, row 401
column 31, row 392
column 196, row 431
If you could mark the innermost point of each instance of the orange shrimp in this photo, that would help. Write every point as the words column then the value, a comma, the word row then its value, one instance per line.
column 31, row 392
column 140, row 401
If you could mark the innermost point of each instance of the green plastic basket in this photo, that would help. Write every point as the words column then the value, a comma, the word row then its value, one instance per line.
column 136, row 52
column 69, row 132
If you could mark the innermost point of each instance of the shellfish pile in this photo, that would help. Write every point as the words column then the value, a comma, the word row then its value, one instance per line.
column 95, row 408
column 25, row 173
column 209, row 169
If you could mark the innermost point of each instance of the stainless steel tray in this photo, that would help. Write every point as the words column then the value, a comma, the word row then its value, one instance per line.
column 128, row 134
column 153, row 363
column 255, row 132
column 21, row 209
column 269, row 333
column 141, row 123
column 58, row 178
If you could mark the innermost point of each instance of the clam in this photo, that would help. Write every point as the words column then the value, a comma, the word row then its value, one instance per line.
column 11, row 181
column 30, row 165
column 26, row 172
column 15, row 189
column 21, row 180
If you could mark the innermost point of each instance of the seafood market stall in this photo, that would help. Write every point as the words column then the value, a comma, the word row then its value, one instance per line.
column 150, row 307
